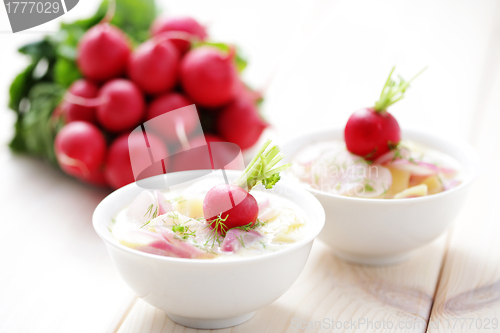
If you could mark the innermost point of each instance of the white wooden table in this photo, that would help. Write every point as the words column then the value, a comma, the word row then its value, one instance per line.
column 326, row 58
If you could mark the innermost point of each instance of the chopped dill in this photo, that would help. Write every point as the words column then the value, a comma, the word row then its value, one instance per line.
column 145, row 224
column 173, row 215
column 385, row 190
column 216, row 225
column 249, row 226
column 369, row 188
column 177, row 199
column 184, row 232
column 178, row 228
column 241, row 240
column 150, row 212
column 412, row 160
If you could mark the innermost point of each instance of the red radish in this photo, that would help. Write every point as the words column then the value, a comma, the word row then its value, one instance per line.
column 372, row 132
column 228, row 206
column 80, row 149
column 245, row 92
column 118, row 169
column 179, row 23
column 240, row 123
column 72, row 111
column 103, row 52
column 245, row 210
column 154, row 66
column 166, row 103
column 209, row 76
column 122, row 107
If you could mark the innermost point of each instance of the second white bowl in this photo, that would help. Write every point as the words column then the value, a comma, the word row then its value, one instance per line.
column 386, row 231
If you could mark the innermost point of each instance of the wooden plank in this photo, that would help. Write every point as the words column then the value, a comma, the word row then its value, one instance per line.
column 468, row 297
column 56, row 275
column 333, row 290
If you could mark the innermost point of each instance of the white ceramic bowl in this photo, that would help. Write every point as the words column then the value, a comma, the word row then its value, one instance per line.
column 386, row 231
column 203, row 293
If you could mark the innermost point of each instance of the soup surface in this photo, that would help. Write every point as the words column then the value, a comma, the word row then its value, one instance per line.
column 409, row 171
column 172, row 224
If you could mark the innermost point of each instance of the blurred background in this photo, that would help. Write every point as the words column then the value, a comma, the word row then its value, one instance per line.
column 324, row 59
column 315, row 61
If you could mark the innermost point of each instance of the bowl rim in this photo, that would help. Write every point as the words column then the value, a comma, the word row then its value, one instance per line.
column 472, row 170
column 99, row 221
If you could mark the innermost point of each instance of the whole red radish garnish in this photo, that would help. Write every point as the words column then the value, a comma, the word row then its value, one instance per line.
column 122, row 105
column 103, row 52
column 372, row 132
column 209, row 76
column 154, row 66
column 74, row 110
column 184, row 121
column 118, row 170
column 240, row 123
column 80, row 148
column 179, row 23
column 228, row 206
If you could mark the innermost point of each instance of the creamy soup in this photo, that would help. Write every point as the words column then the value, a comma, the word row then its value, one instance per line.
column 409, row 171
column 172, row 224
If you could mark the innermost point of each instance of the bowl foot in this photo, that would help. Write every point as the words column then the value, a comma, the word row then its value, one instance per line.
column 210, row 324
column 372, row 260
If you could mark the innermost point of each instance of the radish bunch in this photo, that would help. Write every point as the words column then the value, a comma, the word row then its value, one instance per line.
column 124, row 87
column 372, row 132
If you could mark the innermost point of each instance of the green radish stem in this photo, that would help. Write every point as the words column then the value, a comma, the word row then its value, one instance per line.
column 260, row 169
column 393, row 91
column 110, row 12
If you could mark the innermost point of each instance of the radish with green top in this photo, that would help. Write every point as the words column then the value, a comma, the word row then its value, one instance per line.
column 228, row 206
column 372, row 132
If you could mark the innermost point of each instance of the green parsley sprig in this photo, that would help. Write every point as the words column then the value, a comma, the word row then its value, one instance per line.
column 393, row 91
column 260, row 169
